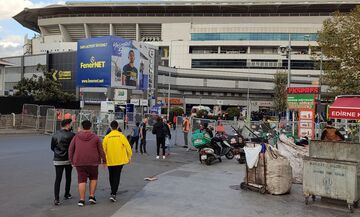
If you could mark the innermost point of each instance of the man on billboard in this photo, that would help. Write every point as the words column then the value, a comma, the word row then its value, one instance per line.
column 130, row 72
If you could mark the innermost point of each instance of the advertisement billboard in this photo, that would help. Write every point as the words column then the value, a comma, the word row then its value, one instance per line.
column 114, row 62
column 94, row 62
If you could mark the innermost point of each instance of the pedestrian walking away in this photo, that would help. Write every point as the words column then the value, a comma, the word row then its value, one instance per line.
column 143, row 136
column 86, row 153
column 161, row 130
column 174, row 122
column 186, row 129
column 118, row 153
column 135, row 137
column 60, row 143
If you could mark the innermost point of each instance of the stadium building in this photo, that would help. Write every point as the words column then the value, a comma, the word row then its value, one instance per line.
column 211, row 51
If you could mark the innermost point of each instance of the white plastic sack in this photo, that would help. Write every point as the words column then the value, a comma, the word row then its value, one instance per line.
column 295, row 155
column 278, row 172
column 252, row 155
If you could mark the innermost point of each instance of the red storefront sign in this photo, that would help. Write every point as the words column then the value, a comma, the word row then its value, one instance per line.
column 345, row 108
column 303, row 90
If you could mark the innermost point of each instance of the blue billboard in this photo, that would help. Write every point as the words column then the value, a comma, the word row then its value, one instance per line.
column 94, row 62
column 114, row 62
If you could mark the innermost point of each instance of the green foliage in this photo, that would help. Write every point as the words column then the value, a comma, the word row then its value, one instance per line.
column 42, row 88
column 280, row 94
column 177, row 111
column 232, row 112
column 339, row 41
column 201, row 113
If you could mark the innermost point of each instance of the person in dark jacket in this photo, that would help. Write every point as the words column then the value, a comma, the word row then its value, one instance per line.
column 161, row 130
column 330, row 133
column 60, row 143
column 86, row 153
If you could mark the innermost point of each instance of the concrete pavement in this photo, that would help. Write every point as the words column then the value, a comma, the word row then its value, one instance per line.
column 199, row 190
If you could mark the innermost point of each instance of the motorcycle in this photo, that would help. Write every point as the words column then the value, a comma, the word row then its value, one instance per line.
column 236, row 141
column 211, row 149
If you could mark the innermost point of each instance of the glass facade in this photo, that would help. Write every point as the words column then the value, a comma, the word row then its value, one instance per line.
column 253, row 36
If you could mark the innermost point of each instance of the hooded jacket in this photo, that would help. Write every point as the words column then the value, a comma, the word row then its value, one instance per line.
column 60, row 143
column 86, row 150
column 117, row 149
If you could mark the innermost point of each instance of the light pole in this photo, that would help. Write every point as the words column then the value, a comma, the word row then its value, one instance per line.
column 288, row 51
column 169, row 85
column 168, row 108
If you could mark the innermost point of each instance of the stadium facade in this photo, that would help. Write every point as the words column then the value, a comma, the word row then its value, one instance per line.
column 223, row 52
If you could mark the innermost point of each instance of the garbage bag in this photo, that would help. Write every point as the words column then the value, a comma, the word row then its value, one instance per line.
column 295, row 154
column 278, row 172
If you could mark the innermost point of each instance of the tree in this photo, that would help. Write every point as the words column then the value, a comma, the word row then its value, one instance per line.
column 43, row 88
column 339, row 41
column 177, row 111
column 233, row 112
column 280, row 95
column 201, row 113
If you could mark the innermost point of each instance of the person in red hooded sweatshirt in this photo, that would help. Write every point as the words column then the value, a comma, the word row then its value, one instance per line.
column 86, row 153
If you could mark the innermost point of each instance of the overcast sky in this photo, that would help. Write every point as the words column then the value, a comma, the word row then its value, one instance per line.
column 11, row 32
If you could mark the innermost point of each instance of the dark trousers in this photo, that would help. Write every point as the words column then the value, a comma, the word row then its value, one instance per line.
column 136, row 141
column 143, row 145
column 114, row 178
column 160, row 142
column 59, row 172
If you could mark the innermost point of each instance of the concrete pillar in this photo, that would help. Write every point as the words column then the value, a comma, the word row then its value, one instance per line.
column 219, row 49
column 248, row 49
column 87, row 31
column 138, row 32
column 112, row 29
column 65, row 34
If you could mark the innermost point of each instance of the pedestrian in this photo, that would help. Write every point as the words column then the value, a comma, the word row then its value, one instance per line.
column 86, row 153
column 167, row 138
column 161, row 130
column 135, row 137
column 143, row 136
column 174, row 122
column 330, row 133
column 186, row 129
column 126, row 119
column 60, row 143
column 118, row 153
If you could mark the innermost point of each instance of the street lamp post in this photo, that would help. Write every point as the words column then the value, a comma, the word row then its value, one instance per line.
column 168, row 104
column 169, row 86
column 288, row 50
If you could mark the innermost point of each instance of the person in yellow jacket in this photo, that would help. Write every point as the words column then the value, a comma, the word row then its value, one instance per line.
column 118, row 153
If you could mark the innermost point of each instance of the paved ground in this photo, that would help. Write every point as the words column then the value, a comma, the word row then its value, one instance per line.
column 27, row 176
column 202, row 191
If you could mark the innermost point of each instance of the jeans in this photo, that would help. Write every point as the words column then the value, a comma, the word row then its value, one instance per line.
column 160, row 142
column 59, row 172
column 136, row 141
column 143, row 145
column 186, row 139
column 114, row 178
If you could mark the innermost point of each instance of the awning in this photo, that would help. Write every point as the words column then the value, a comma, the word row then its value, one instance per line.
column 345, row 107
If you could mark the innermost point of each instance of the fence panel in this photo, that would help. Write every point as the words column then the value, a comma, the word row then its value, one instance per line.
column 29, row 116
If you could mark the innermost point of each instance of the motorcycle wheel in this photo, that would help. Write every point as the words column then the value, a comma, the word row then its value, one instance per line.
column 200, row 158
column 230, row 155
column 209, row 160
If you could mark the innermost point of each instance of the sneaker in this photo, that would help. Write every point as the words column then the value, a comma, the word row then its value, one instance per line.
column 56, row 202
column 164, row 157
column 92, row 200
column 81, row 203
column 67, row 196
column 157, row 157
column 112, row 198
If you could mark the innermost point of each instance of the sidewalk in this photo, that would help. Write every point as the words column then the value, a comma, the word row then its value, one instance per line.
column 199, row 190
column 18, row 131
